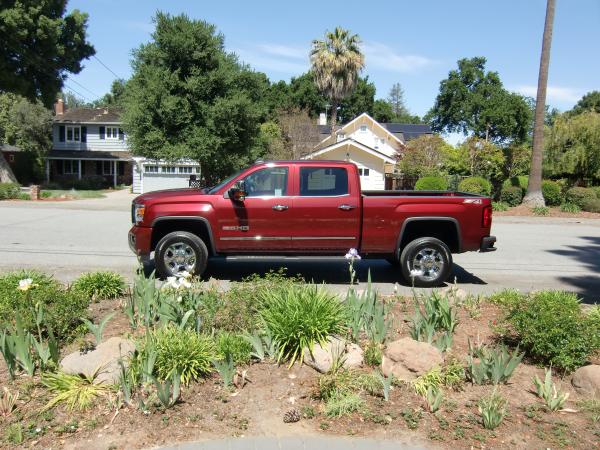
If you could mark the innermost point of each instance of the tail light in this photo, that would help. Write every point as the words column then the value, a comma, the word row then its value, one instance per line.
column 487, row 217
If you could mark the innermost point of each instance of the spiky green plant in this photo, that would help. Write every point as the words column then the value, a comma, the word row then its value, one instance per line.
column 343, row 403
column 434, row 398
column 168, row 391
column 100, row 285
column 76, row 391
column 226, row 369
column 492, row 410
column 492, row 364
column 98, row 330
column 434, row 314
column 430, row 379
column 548, row 392
column 386, row 383
column 8, row 401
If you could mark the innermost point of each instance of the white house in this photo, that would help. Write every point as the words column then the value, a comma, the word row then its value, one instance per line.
column 374, row 147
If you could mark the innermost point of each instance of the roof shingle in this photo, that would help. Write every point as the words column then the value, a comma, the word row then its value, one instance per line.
column 89, row 115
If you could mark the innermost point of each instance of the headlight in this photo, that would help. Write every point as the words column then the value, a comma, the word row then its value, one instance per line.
column 138, row 213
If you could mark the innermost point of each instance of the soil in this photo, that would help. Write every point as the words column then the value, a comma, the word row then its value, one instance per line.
column 554, row 211
column 208, row 410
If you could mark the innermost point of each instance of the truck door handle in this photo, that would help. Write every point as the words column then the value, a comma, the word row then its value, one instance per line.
column 346, row 207
column 280, row 207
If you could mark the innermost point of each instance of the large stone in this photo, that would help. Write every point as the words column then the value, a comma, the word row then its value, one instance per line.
column 103, row 359
column 323, row 357
column 407, row 359
column 586, row 380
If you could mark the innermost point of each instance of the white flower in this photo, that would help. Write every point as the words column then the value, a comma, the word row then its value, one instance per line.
column 25, row 284
column 183, row 282
column 185, row 274
column 172, row 283
column 352, row 254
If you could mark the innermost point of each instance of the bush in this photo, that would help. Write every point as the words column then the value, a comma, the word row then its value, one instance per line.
column 596, row 190
column 298, row 317
column 181, row 351
column 540, row 210
column 100, row 285
column 64, row 308
column 234, row 347
column 521, row 182
column 475, row 185
column 90, row 183
column 577, row 195
column 570, row 208
column 513, row 195
column 553, row 330
column 500, row 206
column 9, row 191
column 431, row 184
column 551, row 192
column 591, row 205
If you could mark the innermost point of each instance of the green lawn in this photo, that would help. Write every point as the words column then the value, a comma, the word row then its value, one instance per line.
column 71, row 193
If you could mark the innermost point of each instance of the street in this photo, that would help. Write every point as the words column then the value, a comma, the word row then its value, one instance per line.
column 68, row 238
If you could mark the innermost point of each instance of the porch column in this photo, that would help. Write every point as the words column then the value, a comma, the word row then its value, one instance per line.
column 47, row 171
column 114, row 173
column 79, row 169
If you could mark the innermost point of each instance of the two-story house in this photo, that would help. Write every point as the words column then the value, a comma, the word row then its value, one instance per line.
column 374, row 147
column 90, row 142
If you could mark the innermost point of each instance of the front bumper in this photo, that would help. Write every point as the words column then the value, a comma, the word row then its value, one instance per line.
column 140, row 239
column 487, row 244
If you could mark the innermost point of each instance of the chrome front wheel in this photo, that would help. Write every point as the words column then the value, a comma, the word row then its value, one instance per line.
column 180, row 251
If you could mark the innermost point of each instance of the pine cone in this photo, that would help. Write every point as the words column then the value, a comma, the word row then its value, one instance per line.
column 293, row 415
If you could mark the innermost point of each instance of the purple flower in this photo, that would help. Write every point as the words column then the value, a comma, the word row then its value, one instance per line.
column 352, row 254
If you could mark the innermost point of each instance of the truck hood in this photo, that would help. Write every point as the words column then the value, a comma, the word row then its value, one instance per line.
column 170, row 195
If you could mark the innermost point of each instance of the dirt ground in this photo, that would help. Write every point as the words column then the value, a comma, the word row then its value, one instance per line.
column 555, row 211
column 207, row 410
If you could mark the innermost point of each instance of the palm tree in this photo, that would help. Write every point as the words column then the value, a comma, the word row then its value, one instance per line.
column 336, row 62
column 534, row 196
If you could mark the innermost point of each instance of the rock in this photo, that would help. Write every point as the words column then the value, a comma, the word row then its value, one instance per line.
column 322, row 357
column 407, row 359
column 105, row 358
column 586, row 380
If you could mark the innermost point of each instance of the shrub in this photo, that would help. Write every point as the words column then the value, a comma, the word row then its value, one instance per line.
column 234, row 347
column 540, row 210
column 522, row 181
column 570, row 208
column 181, row 351
column 475, row 185
column 492, row 410
column 577, row 195
column 513, row 195
column 508, row 298
column 591, row 205
column 298, row 317
column 431, row 184
column 9, row 190
column 596, row 190
column 340, row 404
column 64, row 308
column 492, row 364
column 553, row 330
column 100, row 285
column 551, row 192
column 500, row 206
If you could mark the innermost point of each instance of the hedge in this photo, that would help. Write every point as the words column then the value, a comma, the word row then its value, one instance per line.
column 591, row 205
column 513, row 195
column 521, row 181
column 431, row 184
column 551, row 192
column 577, row 195
column 475, row 185
column 9, row 190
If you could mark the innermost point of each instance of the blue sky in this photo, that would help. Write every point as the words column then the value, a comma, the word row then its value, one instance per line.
column 414, row 43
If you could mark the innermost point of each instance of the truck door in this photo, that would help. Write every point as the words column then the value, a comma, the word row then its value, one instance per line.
column 326, row 210
column 262, row 222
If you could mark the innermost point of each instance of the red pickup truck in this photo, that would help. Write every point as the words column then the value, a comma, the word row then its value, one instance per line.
column 309, row 208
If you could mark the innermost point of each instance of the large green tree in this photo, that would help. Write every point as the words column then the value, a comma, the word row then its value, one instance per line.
column 189, row 98
column 396, row 100
column 336, row 63
column 473, row 101
column 39, row 46
column 589, row 102
column 114, row 98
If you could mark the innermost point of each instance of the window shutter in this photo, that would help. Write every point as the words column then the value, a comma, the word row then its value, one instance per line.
column 121, row 134
column 102, row 132
column 83, row 134
column 61, row 133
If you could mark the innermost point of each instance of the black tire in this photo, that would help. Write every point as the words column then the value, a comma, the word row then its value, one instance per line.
column 175, row 252
column 437, row 262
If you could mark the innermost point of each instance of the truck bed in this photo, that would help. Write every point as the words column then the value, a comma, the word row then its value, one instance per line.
column 418, row 194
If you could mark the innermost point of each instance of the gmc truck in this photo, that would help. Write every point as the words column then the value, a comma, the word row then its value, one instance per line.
column 309, row 208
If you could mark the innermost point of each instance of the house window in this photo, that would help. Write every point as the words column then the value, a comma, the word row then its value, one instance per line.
column 70, row 167
column 363, row 128
column 73, row 134
column 112, row 133
column 185, row 169
column 151, row 169
column 363, row 172
column 197, row 169
column 107, row 168
column 168, row 169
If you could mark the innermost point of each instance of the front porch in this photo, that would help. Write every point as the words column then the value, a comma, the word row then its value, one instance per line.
column 99, row 168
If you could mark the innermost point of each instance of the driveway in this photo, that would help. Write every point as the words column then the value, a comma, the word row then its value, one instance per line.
column 67, row 238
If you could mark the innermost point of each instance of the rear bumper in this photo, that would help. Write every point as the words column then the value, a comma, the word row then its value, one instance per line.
column 487, row 244
column 139, row 239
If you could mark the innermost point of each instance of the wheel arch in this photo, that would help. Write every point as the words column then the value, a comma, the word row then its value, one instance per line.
column 198, row 226
column 446, row 229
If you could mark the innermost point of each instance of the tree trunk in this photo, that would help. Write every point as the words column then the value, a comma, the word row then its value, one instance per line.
column 334, row 107
column 6, row 173
column 534, row 196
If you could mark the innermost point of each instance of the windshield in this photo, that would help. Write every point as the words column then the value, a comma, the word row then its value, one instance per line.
column 214, row 189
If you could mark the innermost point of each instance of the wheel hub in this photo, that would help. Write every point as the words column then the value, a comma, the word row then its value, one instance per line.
column 429, row 262
column 180, row 257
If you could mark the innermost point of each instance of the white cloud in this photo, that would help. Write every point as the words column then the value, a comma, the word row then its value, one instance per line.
column 261, row 60
column 147, row 27
column 382, row 56
column 285, row 51
column 557, row 94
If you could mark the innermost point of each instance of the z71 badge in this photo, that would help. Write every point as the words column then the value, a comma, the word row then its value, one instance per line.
column 239, row 228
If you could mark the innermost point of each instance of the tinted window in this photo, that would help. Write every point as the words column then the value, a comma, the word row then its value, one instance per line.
column 323, row 181
column 267, row 182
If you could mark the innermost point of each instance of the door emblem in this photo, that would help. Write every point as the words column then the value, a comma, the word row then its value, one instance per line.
column 236, row 228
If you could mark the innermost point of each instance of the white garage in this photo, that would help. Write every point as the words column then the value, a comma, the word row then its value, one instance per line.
column 151, row 175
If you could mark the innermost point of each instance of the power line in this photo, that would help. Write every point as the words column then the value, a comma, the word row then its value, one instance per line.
column 106, row 67
column 76, row 92
column 82, row 86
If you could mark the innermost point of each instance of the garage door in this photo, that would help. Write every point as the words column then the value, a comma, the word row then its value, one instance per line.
column 159, row 181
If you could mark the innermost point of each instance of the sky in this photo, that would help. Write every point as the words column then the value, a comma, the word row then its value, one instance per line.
column 414, row 43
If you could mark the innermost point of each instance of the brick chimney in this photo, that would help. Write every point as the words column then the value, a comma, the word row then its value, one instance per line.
column 59, row 107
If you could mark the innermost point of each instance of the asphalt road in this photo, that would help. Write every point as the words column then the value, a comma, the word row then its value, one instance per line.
column 68, row 238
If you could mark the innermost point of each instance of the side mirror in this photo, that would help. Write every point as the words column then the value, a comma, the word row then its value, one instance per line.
column 237, row 192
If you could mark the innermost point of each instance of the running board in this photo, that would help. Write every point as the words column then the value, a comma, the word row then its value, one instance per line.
column 282, row 257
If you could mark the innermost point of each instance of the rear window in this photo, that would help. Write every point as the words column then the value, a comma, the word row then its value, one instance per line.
column 323, row 181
